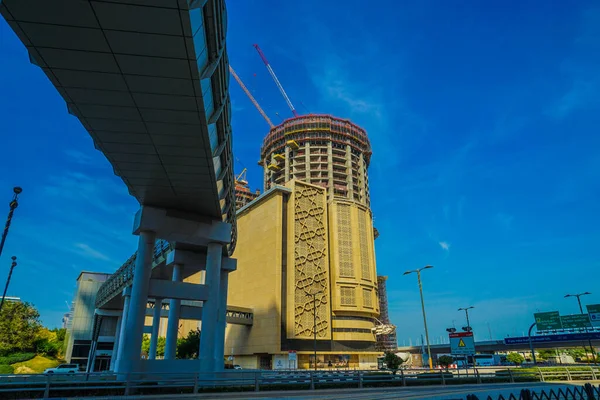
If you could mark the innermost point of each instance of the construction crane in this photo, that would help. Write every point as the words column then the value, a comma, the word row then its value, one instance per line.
column 241, row 178
column 285, row 96
column 252, row 99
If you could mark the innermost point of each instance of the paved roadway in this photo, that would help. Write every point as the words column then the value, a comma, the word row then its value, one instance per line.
column 423, row 392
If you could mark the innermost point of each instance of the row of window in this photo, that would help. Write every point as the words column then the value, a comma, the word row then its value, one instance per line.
column 348, row 297
column 353, row 330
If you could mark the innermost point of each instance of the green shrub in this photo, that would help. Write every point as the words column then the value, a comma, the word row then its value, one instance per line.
column 47, row 347
column 6, row 369
column 15, row 358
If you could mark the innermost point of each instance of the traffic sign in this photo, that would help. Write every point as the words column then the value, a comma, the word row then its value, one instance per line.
column 575, row 321
column 594, row 313
column 593, row 308
column 562, row 337
column 547, row 321
column 462, row 343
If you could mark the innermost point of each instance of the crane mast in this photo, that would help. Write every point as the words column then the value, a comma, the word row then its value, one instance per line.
column 252, row 99
column 285, row 96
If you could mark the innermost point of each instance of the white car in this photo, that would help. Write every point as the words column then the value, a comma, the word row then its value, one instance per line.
column 63, row 369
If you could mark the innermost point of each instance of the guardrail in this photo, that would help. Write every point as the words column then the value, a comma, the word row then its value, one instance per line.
column 585, row 392
column 109, row 384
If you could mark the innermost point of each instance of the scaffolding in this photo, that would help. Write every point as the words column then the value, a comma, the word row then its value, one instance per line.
column 387, row 342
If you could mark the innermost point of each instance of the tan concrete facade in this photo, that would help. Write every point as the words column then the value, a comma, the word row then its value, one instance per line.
column 294, row 242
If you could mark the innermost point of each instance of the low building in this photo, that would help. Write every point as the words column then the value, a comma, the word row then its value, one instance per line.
column 79, row 334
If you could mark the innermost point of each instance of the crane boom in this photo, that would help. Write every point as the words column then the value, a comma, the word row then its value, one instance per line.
column 285, row 96
column 252, row 99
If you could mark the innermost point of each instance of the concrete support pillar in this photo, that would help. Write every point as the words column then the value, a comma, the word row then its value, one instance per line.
column 349, row 172
column 361, row 182
column 210, row 308
column 115, row 350
column 265, row 175
column 132, row 341
column 126, row 297
column 307, row 160
column 330, row 171
column 173, row 322
column 287, row 164
column 155, row 328
column 221, row 322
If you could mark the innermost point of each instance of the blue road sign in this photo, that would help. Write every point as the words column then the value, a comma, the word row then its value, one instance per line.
column 565, row 337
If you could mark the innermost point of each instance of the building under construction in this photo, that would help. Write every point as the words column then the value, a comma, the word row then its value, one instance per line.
column 305, row 249
column 323, row 150
column 243, row 195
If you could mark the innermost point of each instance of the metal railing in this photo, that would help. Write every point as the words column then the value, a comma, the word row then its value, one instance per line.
column 109, row 384
column 123, row 277
column 585, row 392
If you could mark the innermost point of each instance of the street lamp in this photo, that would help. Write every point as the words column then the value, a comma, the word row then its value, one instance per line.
column 466, row 310
column 578, row 295
column 418, row 271
column 14, row 203
column 12, row 266
column 314, row 295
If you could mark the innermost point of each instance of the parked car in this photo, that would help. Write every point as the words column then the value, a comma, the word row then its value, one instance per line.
column 63, row 369
column 237, row 367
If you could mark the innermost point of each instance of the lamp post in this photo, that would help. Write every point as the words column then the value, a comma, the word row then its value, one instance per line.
column 418, row 271
column 578, row 295
column 466, row 310
column 314, row 296
column 12, row 266
column 14, row 203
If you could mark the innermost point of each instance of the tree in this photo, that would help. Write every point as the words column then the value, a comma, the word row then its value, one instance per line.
column 515, row 358
column 577, row 353
column 445, row 361
column 46, row 343
column 392, row 361
column 546, row 354
column 19, row 327
column 160, row 345
column 61, row 333
column 189, row 346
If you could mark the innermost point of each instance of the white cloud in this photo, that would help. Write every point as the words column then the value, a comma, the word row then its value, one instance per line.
column 86, row 251
column 445, row 245
column 96, row 192
column 79, row 157
column 581, row 95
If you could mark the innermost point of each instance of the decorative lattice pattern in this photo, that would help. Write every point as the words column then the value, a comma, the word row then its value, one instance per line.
column 347, row 296
column 310, row 251
column 367, row 298
column 344, row 229
column 365, row 260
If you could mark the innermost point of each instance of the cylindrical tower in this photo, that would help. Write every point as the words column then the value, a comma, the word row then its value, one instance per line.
column 332, row 226
column 322, row 150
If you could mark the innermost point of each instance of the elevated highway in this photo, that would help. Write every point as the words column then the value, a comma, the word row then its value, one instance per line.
column 148, row 80
column 493, row 346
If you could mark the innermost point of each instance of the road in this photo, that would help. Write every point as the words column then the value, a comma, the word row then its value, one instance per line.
column 424, row 392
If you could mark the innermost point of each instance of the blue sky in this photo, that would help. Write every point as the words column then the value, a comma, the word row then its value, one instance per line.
column 483, row 119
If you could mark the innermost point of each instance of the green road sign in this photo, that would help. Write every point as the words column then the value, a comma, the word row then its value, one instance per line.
column 593, row 308
column 575, row 321
column 594, row 313
column 547, row 321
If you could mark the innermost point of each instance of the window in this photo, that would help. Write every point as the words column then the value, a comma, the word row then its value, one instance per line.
column 347, row 296
column 367, row 298
column 345, row 249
